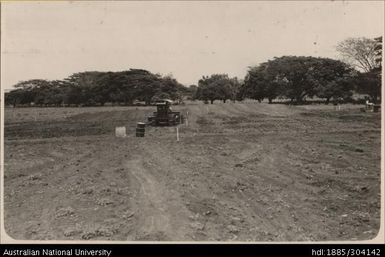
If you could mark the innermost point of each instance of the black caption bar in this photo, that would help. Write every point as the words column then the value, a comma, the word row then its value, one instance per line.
column 114, row 250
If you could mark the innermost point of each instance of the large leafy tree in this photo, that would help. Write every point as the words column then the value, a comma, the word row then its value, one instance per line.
column 191, row 92
column 90, row 87
column 262, row 82
column 31, row 91
column 297, row 77
column 15, row 97
column 217, row 87
column 333, row 79
column 369, row 83
column 38, row 92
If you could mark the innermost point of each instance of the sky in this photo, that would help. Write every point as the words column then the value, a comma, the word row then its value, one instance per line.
column 188, row 39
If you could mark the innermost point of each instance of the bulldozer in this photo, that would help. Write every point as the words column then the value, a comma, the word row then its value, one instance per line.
column 164, row 116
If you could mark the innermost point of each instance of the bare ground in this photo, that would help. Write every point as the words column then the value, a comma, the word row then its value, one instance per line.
column 240, row 172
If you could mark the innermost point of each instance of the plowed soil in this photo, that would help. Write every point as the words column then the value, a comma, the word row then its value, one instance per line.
column 240, row 172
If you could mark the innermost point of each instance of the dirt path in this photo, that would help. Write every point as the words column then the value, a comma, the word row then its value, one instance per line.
column 162, row 214
column 152, row 203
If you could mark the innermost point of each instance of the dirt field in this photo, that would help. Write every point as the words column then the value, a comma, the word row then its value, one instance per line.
column 240, row 172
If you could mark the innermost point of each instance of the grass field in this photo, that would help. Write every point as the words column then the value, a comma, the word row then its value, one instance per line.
column 240, row 172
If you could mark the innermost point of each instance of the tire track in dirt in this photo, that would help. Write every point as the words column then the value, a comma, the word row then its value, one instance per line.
column 151, row 202
column 159, row 211
column 214, row 215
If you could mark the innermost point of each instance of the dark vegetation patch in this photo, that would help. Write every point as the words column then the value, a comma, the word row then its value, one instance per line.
column 77, row 125
column 234, row 120
column 204, row 121
column 343, row 115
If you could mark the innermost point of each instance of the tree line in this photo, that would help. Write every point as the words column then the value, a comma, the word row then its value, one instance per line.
column 97, row 88
column 295, row 78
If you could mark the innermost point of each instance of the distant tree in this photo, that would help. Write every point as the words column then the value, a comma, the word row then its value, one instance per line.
column 366, row 55
column 112, row 86
column 335, row 89
column 170, row 87
column 360, row 52
column 333, row 79
column 262, row 82
column 89, row 87
column 55, row 93
column 148, row 90
column 217, row 87
column 369, row 83
column 92, row 88
column 145, row 85
column 29, row 91
column 377, row 70
column 233, row 89
column 191, row 92
column 14, row 97
column 207, row 91
column 378, row 53
column 125, row 85
column 294, row 76
column 38, row 92
column 74, row 95
column 297, row 77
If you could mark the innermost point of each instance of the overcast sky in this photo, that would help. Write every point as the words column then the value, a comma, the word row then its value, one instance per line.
column 186, row 39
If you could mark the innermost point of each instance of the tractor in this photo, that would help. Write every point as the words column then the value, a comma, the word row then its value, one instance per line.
column 164, row 116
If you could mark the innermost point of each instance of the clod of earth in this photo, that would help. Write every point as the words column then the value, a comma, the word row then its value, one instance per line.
column 63, row 212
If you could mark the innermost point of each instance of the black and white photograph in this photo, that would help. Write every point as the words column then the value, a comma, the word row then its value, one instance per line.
column 192, row 121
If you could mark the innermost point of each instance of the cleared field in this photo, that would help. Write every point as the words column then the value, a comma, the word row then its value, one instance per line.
column 243, row 172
